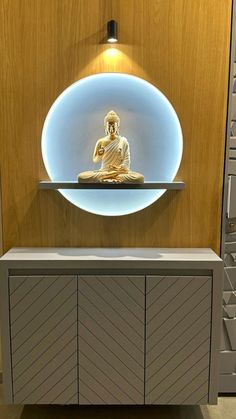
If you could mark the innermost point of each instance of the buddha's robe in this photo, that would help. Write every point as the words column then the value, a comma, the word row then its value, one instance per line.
column 116, row 153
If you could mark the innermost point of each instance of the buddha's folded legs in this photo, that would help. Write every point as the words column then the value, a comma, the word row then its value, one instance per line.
column 95, row 176
column 89, row 177
column 131, row 177
column 105, row 176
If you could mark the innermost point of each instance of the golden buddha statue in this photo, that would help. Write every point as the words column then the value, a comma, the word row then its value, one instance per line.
column 113, row 151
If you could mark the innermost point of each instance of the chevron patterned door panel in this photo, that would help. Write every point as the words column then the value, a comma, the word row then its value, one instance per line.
column 178, row 322
column 43, row 317
column 111, row 339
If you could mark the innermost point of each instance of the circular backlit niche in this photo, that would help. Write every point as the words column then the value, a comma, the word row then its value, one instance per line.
column 147, row 120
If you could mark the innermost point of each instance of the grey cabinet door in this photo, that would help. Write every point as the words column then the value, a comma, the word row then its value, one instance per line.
column 178, row 324
column 43, row 321
column 111, row 339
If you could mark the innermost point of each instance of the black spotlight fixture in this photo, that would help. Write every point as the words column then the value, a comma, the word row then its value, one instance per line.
column 112, row 31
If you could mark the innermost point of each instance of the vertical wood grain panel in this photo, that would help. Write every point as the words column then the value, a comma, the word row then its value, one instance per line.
column 181, row 46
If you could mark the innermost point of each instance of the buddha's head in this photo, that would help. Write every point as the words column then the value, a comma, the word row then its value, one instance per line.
column 112, row 123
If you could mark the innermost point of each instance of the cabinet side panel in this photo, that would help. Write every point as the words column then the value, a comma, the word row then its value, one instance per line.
column 111, row 339
column 5, row 336
column 178, row 321
column 44, row 339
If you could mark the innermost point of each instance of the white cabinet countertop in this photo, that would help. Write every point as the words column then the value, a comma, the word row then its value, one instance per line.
column 110, row 258
column 147, row 253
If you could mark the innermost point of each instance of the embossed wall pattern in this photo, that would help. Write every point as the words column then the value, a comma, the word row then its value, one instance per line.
column 228, row 345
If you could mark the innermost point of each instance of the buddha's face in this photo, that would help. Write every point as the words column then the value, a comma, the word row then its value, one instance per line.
column 112, row 128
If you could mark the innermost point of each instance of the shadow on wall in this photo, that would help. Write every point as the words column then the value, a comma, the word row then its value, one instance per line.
column 114, row 412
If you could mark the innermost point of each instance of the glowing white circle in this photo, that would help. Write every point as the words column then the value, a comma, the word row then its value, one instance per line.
column 75, row 122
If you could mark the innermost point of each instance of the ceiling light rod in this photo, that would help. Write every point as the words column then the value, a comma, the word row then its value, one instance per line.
column 112, row 31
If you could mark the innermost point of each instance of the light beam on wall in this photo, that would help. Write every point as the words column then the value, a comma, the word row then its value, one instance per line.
column 111, row 53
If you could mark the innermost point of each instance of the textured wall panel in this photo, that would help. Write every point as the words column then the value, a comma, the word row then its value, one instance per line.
column 111, row 339
column 43, row 314
column 228, row 362
column 228, row 237
column 178, row 339
column 175, row 44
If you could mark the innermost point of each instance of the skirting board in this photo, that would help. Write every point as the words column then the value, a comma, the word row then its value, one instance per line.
column 227, row 383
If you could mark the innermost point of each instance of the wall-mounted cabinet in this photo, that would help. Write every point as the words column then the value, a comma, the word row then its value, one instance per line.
column 112, row 326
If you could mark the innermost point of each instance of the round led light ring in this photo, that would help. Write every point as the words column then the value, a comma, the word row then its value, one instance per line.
column 148, row 121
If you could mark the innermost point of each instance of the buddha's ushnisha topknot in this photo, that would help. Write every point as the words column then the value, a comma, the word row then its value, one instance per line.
column 112, row 117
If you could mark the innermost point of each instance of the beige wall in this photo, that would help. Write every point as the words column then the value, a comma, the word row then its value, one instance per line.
column 181, row 46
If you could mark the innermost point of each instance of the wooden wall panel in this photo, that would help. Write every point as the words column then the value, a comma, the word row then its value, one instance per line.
column 181, row 46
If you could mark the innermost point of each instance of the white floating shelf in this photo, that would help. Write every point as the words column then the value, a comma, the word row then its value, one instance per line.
column 176, row 185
